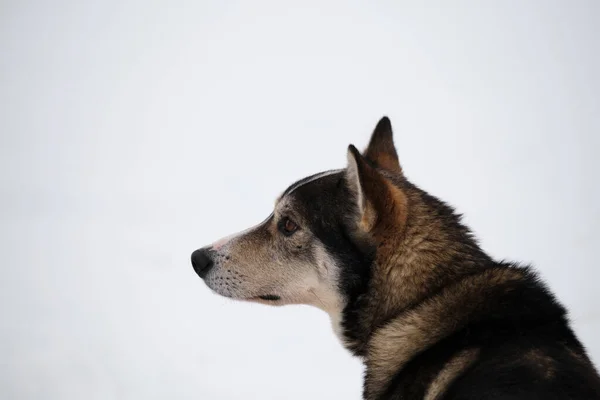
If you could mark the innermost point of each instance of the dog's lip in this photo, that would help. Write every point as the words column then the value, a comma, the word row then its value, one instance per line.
column 268, row 297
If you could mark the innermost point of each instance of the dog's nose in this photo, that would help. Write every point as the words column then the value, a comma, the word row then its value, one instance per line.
column 202, row 262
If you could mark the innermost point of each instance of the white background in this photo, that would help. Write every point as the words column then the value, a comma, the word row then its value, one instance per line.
column 132, row 133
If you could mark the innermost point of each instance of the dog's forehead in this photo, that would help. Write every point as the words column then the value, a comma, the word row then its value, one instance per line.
column 312, row 182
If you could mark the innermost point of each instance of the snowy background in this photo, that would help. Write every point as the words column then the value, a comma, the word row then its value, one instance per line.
column 134, row 132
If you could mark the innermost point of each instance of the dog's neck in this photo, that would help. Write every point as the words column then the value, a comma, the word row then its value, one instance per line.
column 411, row 266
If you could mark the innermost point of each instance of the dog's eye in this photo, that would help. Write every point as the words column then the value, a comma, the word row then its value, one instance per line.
column 287, row 226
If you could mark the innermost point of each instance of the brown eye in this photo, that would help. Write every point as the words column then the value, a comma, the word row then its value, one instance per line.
column 287, row 226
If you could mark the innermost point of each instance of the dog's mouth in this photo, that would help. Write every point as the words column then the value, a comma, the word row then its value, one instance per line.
column 269, row 297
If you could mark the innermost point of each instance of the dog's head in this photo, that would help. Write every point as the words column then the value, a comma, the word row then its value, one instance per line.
column 319, row 244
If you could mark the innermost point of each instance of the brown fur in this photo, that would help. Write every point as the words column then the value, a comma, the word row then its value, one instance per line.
column 409, row 240
column 427, row 282
column 401, row 339
column 451, row 370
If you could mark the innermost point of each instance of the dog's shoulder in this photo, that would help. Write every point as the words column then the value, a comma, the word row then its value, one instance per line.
column 501, row 333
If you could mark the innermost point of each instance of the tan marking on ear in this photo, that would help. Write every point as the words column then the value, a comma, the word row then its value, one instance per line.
column 389, row 162
column 385, row 212
column 382, row 205
column 381, row 149
column 412, row 332
column 395, row 204
column 449, row 372
column 388, row 202
column 369, row 217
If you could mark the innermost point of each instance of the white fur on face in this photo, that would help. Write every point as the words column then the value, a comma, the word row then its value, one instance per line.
column 295, row 282
column 312, row 179
column 330, row 299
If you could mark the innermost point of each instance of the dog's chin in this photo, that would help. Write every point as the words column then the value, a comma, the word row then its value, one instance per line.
column 271, row 299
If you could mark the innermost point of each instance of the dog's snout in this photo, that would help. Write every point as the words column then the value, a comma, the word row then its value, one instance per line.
column 202, row 262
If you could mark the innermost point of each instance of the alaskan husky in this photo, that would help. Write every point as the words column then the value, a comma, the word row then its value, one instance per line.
column 407, row 287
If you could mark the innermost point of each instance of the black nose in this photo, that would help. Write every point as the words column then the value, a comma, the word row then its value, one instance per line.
column 201, row 262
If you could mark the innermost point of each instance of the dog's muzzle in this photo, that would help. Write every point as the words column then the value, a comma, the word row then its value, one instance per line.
column 202, row 262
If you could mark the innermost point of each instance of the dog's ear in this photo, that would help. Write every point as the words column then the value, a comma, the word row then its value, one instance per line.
column 381, row 149
column 381, row 205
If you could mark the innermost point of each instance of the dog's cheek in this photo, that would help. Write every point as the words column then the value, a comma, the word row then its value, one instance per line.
column 291, row 247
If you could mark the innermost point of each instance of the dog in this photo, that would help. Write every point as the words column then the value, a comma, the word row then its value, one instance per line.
column 407, row 287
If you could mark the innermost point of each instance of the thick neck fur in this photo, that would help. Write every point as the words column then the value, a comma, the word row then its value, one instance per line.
column 432, row 251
